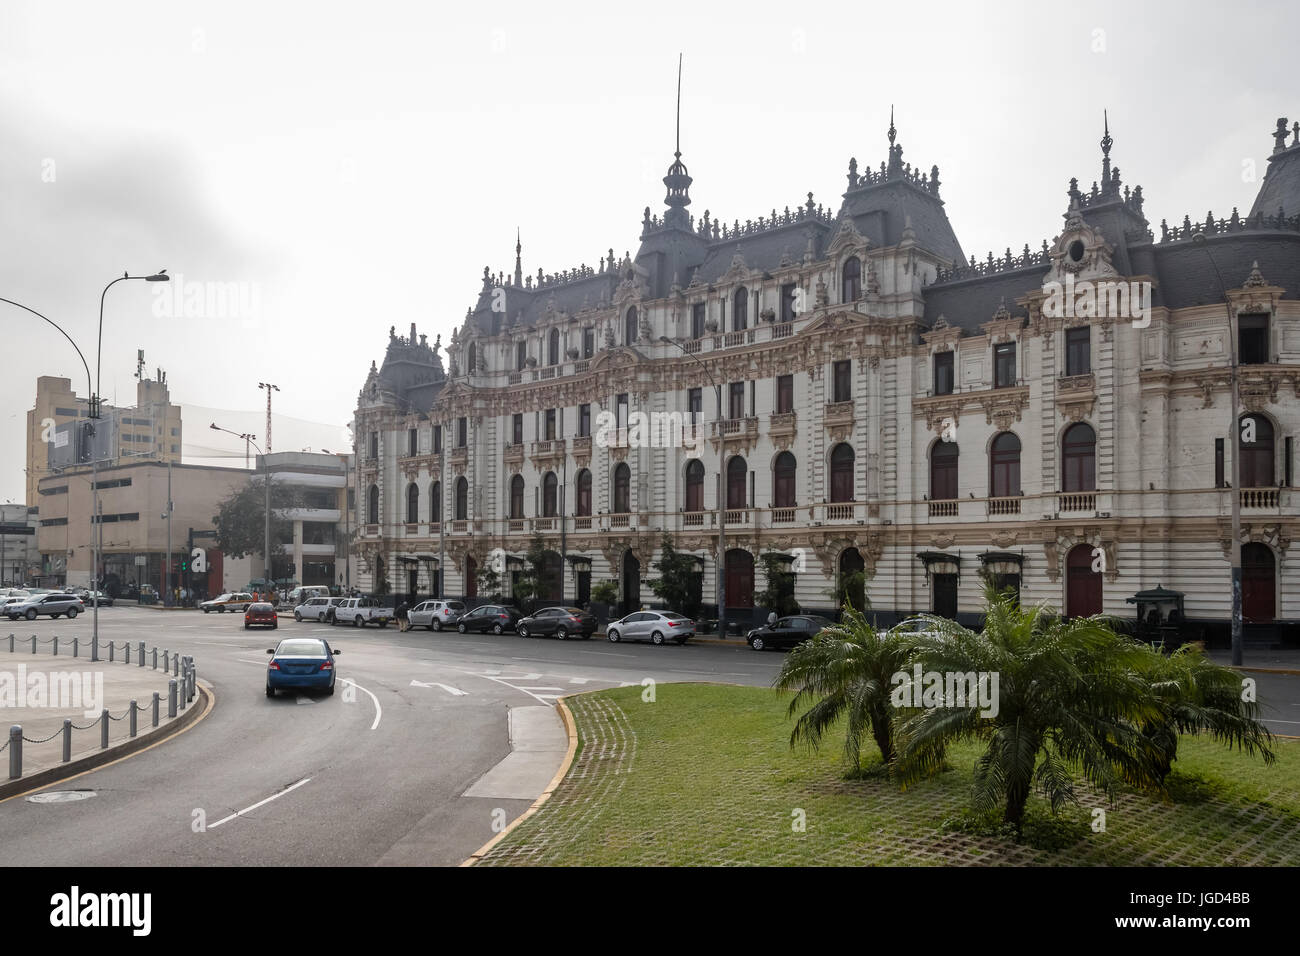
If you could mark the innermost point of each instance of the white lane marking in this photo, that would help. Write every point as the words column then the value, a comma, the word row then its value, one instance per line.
column 245, row 660
column 536, row 697
column 260, row 803
column 541, row 688
column 379, row 711
column 579, row 680
column 454, row 691
column 219, row 644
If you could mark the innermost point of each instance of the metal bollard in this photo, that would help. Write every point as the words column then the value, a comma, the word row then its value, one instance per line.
column 180, row 687
column 33, row 643
column 194, row 681
column 155, row 708
column 126, row 652
column 135, row 708
column 155, row 658
column 176, row 665
column 67, row 739
column 142, row 653
column 110, row 652
column 171, row 697
column 165, row 665
column 11, row 643
column 56, row 645
column 94, row 649
column 15, row 752
column 76, row 646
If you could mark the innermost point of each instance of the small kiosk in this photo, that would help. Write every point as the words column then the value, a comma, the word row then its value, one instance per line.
column 1160, row 615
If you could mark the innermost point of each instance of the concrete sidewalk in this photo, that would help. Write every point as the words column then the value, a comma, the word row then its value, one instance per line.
column 39, row 691
column 1281, row 660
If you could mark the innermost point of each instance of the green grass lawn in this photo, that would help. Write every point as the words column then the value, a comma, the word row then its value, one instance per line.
column 705, row 775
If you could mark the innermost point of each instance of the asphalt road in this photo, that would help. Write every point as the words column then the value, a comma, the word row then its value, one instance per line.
column 374, row 776
column 385, row 766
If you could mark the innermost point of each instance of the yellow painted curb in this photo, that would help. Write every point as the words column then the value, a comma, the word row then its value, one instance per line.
column 204, row 688
column 572, row 729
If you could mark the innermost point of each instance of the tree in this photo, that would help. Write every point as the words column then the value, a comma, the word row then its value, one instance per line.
column 531, row 582
column 679, row 584
column 850, row 590
column 779, row 595
column 489, row 578
column 847, row 670
column 1070, row 696
column 240, row 520
column 1197, row 696
column 605, row 592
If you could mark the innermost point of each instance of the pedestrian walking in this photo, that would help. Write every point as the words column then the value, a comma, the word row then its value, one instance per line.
column 403, row 622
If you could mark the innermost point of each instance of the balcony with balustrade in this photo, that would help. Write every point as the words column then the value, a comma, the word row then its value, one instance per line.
column 547, row 453
column 730, row 430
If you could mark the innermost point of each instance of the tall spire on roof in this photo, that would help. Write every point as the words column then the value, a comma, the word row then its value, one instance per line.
column 678, row 180
column 519, row 263
column 1106, row 142
column 895, row 149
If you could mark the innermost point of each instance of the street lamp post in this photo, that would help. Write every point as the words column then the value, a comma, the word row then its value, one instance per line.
column 722, row 511
column 1234, row 441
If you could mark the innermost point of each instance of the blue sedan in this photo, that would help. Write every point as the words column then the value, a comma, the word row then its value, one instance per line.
column 300, row 663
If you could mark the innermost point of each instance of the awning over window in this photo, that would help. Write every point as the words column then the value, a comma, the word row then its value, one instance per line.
column 1002, row 562
column 940, row 562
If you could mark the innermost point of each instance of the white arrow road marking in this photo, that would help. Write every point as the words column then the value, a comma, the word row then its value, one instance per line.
column 579, row 680
column 303, row 699
column 379, row 711
column 540, row 688
column 454, row 691
column 260, row 803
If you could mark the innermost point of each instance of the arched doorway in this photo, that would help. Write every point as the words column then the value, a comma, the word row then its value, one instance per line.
column 631, row 584
column 852, row 586
column 740, row 578
column 1082, row 583
column 1258, row 584
column 551, row 586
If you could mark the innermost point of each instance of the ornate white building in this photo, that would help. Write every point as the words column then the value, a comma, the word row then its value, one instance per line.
column 886, row 405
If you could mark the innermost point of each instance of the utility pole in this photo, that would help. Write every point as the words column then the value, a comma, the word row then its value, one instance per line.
column 269, row 389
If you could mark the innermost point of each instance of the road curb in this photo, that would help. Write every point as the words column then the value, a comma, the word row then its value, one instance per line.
column 571, row 728
column 11, row 789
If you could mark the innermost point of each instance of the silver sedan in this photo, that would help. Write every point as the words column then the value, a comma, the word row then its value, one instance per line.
column 657, row 627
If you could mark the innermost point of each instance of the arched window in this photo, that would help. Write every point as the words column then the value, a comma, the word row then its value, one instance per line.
column 412, row 503
column 584, row 494
column 373, row 495
column 1257, row 466
column 740, row 310
column 630, row 326
column 517, row 496
column 842, row 473
column 553, row 348
column 737, row 473
column 550, row 495
column 851, row 285
column 783, row 474
column 1004, row 466
column 695, row 485
column 943, row 471
column 435, row 502
column 1079, row 458
column 462, row 498
column 622, row 489
column 472, row 359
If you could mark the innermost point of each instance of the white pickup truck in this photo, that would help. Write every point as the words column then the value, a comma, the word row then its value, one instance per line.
column 359, row 612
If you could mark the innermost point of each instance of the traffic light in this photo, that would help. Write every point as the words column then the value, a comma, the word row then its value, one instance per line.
column 185, row 565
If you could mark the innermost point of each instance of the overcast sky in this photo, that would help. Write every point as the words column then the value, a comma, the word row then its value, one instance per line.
column 353, row 166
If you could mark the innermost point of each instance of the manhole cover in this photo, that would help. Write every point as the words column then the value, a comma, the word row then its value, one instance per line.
column 60, row 796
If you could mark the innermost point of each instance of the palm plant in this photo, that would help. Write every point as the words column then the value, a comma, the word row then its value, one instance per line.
column 1198, row 696
column 845, row 671
column 1071, row 696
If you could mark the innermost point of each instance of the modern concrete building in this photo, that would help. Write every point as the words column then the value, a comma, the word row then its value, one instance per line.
column 151, row 429
column 1057, row 419
column 315, row 554
column 136, row 536
column 19, row 557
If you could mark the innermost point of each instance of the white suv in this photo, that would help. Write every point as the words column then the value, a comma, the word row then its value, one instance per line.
column 435, row 615
column 315, row 608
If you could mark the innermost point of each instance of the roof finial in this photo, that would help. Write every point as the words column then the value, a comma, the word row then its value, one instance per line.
column 1106, row 142
column 678, row 147
column 678, row 179
column 519, row 265
column 892, row 132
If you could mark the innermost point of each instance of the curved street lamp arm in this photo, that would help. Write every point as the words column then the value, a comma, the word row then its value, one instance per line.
column 61, row 332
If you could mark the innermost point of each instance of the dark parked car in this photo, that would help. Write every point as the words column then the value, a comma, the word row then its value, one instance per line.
column 558, row 621
column 787, row 631
column 490, row 617
column 261, row 613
